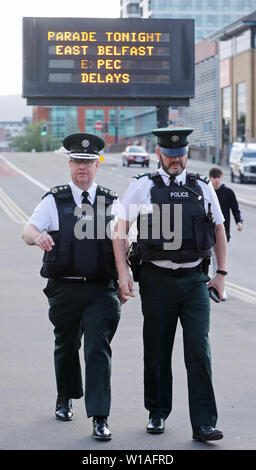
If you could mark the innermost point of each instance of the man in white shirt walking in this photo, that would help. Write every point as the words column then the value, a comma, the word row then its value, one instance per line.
column 82, row 280
column 173, row 275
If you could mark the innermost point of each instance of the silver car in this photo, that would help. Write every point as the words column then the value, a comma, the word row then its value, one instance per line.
column 135, row 154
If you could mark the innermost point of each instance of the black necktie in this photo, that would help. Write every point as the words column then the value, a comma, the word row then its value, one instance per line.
column 172, row 179
column 85, row 199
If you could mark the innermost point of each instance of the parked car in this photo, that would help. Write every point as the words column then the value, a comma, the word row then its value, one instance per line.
column 135, row 154
column 243, row 162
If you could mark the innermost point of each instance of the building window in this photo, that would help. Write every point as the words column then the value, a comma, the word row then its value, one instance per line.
column 207, row 126
column 133, row 8
column 63, row 120
column 225, row 49
column 211, row 4
column 242, row 42
column 240, row 111
column 212, row 20
column 226, row 19
column 226, row 114
column 246, row 4
column 91, row 117
column 121, row 122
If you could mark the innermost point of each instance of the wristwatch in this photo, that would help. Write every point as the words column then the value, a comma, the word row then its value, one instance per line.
column 219, row 271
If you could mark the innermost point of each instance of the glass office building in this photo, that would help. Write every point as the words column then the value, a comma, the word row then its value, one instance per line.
column 118, row 121
column 63, row 120
column 209, row 15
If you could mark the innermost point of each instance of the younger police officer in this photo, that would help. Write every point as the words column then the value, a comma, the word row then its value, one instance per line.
column 81, row 286
column 172, row 279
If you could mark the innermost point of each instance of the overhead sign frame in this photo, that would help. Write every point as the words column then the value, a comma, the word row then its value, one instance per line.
column 123, row 61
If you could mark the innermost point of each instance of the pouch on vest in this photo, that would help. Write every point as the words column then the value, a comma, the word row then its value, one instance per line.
column 60, row 251
column 109, row 258
column 204, row 232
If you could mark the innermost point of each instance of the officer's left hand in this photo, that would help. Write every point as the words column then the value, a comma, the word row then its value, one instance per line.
column 44, row 241
column 121, row 296
column 218, row 281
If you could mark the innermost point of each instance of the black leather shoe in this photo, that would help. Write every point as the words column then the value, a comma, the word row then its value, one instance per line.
column 64, row 409
column 100, row 428
column 155, row 426
column 207, row 433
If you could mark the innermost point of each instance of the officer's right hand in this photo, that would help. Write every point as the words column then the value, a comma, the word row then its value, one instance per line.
column 126, row 283
column 44, row 241
column 218, row 282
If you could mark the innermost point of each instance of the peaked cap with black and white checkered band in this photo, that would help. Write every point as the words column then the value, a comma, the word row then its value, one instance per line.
column 84, row 146
column 172, row 141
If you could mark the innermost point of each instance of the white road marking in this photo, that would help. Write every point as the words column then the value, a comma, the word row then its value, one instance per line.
column 23, row 173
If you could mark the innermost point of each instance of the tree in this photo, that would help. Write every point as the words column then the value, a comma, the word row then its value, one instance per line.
column 32, row 139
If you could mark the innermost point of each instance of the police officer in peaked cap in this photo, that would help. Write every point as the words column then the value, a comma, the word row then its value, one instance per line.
column 178, row 221
column 82, row 281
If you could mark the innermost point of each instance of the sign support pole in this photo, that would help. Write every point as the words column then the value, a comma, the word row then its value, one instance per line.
column 162, row 115
column 162, row 118
column 117, row 123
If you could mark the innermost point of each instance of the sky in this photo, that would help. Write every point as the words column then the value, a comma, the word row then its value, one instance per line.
column 11, row 30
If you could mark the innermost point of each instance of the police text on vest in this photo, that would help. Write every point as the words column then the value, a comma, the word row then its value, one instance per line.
column 179, row 194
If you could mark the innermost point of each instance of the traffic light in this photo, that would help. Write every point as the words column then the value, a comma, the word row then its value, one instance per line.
column 44, row 129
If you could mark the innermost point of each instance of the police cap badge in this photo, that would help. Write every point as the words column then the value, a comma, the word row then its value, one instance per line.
column 85, row 146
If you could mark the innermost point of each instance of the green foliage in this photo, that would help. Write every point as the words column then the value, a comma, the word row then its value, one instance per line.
column 32, row 139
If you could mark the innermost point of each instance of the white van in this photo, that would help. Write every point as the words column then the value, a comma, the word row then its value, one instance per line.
column 243, row 162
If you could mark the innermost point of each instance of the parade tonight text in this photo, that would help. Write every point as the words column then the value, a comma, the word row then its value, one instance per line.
column 102, row 53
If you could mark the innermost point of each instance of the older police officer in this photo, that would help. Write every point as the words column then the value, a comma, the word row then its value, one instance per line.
column 81, row 286
column 172, row 277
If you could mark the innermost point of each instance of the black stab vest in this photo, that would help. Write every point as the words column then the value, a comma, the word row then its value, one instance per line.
column 82, row 247
column 197, row 234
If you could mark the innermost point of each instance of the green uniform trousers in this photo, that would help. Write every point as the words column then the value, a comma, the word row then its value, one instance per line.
column 165, row 298
column 92, row 309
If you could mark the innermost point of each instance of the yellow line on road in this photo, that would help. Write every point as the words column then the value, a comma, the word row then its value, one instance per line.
column 244, row 289
column 19, row 214
column 242, row 293
column 8, row 212
column 242, row 296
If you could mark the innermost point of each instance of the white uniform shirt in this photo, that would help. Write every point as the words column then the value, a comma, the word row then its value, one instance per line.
column 137, row 199
column 45, row 216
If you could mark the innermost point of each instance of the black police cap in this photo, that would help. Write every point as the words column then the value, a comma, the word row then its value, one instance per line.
column 172, row 141
column 85, row 146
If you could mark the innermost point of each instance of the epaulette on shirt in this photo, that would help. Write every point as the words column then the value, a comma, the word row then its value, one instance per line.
column 107, row 192
column 66, row 188
column 205, row 179
column 140, row 175
column 57, row 190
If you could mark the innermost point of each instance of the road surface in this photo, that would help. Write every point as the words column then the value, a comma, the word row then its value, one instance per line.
column 26, row 346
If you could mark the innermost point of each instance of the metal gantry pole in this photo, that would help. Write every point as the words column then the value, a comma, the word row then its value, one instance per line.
column 162, row 118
